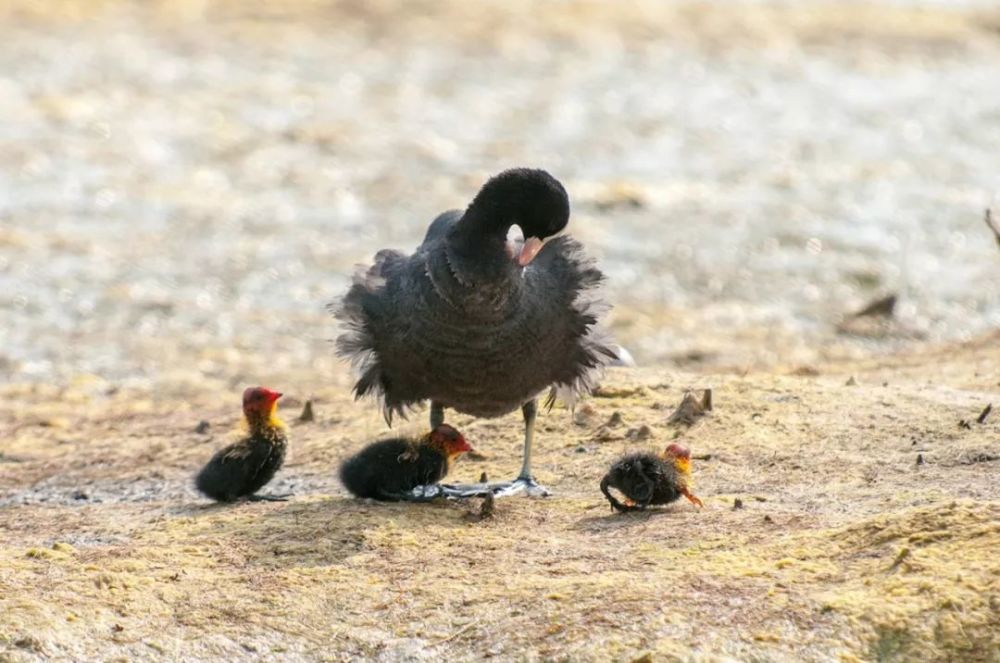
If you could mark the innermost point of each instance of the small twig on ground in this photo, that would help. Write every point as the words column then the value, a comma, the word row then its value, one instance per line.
column 900, row 556
column 992, row 225
column 691, row 408
column 981, row 419
column 456, row 633
column 884, row 307
column 488, row 507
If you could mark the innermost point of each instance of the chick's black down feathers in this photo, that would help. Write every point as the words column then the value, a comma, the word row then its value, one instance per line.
column 460, row 323
column 243, row 468
column 645, row 479
column 387, row 469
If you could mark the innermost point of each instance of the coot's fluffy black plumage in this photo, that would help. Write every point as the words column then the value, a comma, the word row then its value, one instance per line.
column 461, row 323
column 389, row 469
column 646, row 479
column 246, row 466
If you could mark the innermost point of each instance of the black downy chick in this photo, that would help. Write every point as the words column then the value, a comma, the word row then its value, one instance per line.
column 645, row 478
column 389, row 469
column 466, row 324
column 244, row 467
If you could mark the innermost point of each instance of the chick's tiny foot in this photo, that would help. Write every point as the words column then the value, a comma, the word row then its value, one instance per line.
column 269, row 498
column 693, row 499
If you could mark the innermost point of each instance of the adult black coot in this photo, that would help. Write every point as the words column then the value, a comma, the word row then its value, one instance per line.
column 470, row 324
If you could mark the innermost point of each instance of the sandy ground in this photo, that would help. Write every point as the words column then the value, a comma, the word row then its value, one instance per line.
column 185, row 184
column 845, row 548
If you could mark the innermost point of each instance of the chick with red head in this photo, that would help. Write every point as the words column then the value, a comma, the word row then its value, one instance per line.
column 244, row 467
column 644, row 479
column 390, row 469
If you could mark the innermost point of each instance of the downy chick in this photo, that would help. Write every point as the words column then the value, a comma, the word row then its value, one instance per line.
column 389, row 469
column 244, row 467
column 645, row 478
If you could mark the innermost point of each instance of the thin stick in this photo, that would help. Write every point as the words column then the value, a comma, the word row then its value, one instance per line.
column 992, row 225
column 456, row 633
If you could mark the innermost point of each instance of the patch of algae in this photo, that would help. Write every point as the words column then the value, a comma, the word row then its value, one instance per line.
column 925, row 583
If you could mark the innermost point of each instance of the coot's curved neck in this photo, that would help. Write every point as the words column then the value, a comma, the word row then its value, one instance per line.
column 477, row 248
column 480, row 229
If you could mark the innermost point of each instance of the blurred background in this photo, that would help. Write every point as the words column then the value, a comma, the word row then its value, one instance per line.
column 185, row 185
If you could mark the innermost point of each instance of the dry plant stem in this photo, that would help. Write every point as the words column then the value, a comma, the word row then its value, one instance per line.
column 992, row 224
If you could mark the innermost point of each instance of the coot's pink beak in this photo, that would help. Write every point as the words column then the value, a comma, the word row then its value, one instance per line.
column 532, row 246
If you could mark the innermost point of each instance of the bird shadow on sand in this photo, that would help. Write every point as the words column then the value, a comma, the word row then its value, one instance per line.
column 320, row 532
column 613, row 520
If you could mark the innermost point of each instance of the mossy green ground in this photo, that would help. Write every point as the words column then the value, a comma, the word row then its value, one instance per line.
column 845, row 547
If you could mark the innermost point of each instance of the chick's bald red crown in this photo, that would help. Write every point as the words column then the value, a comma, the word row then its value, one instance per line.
column 257, row 399
column 677, row 451
column 449, row 439
column 679, row 455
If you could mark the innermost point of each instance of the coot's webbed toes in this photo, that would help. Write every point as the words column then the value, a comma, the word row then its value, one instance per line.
column 461, row 491
column 520, row 486
column 526, row 486
column 432, row 492
column 269, row 498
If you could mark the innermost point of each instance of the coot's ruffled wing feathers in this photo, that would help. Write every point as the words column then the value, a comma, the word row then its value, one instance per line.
column 416, row 330
column 566, row 284
column 367, row 306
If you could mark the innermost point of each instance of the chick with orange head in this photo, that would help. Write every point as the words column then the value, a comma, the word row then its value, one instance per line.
column 244, row 467
column 390, row 470
column 644, row 478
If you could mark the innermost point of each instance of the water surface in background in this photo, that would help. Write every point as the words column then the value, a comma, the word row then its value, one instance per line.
column 168, row 187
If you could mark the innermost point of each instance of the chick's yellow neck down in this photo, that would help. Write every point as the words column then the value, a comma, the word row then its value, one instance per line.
column 259, row 420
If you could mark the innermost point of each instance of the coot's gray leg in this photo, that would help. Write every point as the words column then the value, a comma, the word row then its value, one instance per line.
column 437, row 414
column 530, row 411
column 525, row 483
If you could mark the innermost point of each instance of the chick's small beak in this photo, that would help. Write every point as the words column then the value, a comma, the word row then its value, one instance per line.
column 532, row 245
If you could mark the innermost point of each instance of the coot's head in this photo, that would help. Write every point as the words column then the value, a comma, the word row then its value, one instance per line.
column 680, row 456
column 448, row 440
column 528, row 197
column 259, row 402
